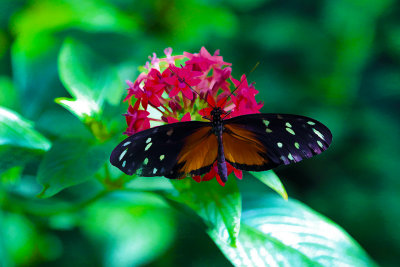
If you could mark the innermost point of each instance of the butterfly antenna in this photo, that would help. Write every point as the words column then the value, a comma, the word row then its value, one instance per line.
column 191, row 88
column 255, row 66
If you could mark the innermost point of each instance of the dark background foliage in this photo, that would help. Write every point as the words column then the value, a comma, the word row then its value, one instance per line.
column 333, row 60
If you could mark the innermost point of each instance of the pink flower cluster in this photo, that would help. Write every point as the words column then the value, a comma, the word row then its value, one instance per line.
column 168, row 88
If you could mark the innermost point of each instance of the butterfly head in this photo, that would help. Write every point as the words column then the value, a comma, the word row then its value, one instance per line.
column 216, row 114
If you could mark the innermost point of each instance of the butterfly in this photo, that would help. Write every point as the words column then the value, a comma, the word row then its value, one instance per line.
column 254, row 142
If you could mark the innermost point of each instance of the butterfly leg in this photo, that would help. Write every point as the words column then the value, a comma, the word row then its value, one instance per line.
column 221, row 163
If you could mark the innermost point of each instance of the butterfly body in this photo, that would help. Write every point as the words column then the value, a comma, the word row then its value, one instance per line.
column 217, row 129
column 253, row 142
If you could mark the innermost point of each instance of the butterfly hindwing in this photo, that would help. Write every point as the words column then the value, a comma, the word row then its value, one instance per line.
column 276, row 138
column 168, row 150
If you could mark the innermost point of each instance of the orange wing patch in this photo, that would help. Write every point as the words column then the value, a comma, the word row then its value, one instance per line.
column 242, row 147
column 200, row 150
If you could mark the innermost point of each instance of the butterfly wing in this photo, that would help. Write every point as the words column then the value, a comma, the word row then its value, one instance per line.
column 173, row 150
column 263, row 141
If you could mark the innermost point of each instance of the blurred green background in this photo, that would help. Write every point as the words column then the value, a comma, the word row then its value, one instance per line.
column 333, row 60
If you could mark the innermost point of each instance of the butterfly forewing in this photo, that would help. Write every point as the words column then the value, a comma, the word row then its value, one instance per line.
column 284, row 139
column 164, row 150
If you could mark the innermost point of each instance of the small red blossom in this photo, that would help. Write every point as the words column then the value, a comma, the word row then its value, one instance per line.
column 155, row 61
column 155, row 80
column 205, row 81
column 244, row 99
column 206, row 112
column 245, row 106
column 168, row 52
column 185, row 117
column 214, row 173
column 220, row 78
column 155, row 85
column 174, row 105
column 136, row 119
column 182, row 80
column 135, row 88
column 204, row 60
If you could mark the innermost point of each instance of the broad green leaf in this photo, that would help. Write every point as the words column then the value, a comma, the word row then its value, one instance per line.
column 59, row 123
column 34, row 68
column 275, row 232
column 89, row 79
column 8, row 94
column 253, row 248
column 220, row 207
column 272, row 180
column 19, row 142
column 70, row 162
column 130, row 229
column 19, row 132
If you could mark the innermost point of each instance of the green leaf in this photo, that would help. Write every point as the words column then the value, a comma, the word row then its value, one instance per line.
column 220, row 207
column 70, row 162
column 130, row 229
column 253, row 248
column 19, row 142
column 8, row 94
column 272, row 180
column 89, row 79
column 34, row 68
column 17, row 131
column 59, row 123
column 275, row 232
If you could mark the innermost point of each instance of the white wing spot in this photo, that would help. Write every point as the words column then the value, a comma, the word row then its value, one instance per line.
column 279, row 144
column 290, row 156
column 124, row 163
column 311, row 122
column 148, row 140
column 320, row 144
column 148, row 146
column 297, row 145
column 122, row 154
column 154, row 170
column 170, row 131
column 266, row 122
column 288, row 125
column 269, row 130
column 290, row 131
column 162, row 157
column 126, row 143
column 146, row 160
column 319, row 134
